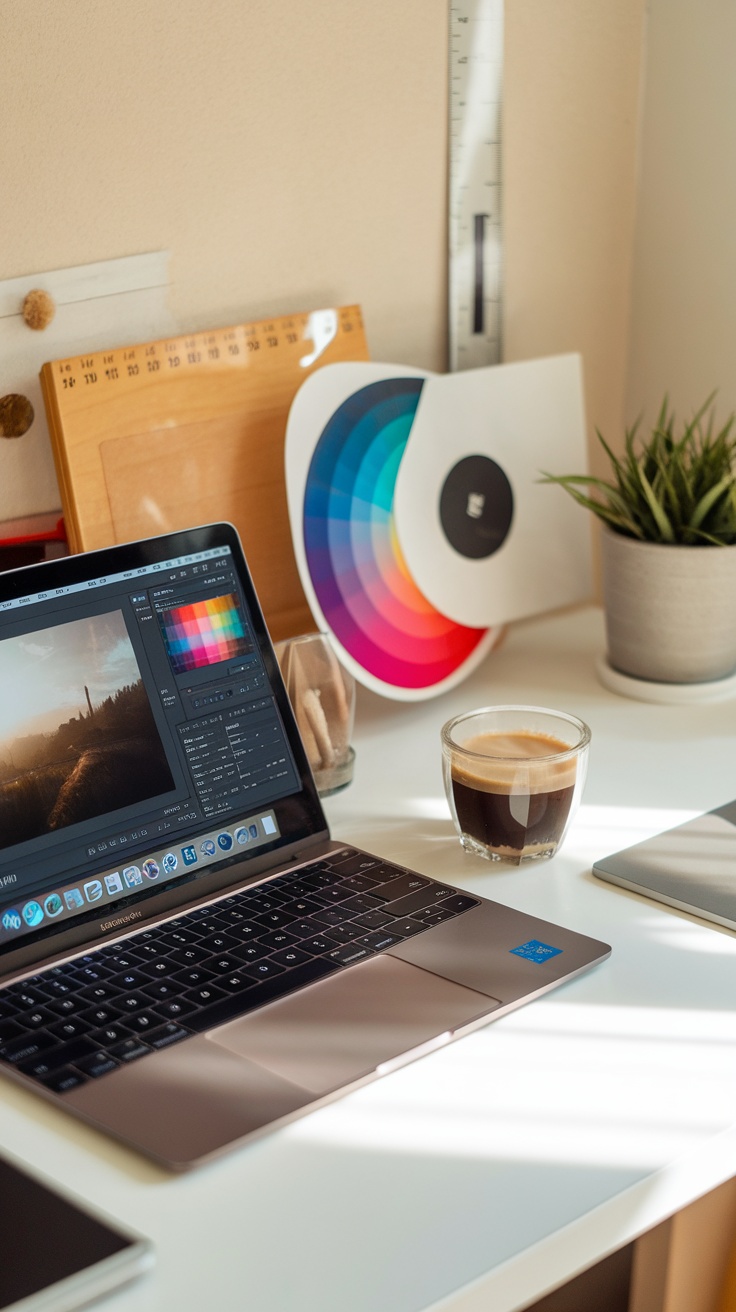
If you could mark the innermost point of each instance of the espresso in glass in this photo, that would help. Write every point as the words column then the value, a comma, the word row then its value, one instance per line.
column 512, row 788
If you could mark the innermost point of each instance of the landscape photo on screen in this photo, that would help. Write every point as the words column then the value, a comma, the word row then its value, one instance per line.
column 77, row 734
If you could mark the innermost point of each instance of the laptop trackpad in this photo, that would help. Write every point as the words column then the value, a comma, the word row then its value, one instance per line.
column 343, row 1027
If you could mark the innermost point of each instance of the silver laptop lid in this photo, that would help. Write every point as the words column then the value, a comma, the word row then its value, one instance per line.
column 691, row 866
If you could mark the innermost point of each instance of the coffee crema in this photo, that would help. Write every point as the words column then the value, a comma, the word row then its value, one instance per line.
column 511, row 799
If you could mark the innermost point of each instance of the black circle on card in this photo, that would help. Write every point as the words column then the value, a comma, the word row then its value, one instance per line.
column 476, row 507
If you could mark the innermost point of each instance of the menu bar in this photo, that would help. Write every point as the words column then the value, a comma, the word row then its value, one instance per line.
column 128, row 575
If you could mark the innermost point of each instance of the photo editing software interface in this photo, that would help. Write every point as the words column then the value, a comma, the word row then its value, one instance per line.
column 140, row 739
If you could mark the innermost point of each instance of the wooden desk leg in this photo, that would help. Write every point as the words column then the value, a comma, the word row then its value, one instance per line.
column 681, row 1265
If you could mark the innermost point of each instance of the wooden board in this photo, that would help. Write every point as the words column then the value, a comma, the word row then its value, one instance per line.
column 166, row 434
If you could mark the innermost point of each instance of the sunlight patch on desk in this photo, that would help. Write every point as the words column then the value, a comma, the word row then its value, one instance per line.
column 712, row 939
column 598, row 829
column 555, row 1084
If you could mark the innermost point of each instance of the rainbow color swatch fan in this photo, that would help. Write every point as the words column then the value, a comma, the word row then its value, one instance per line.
column 204, row 633
column 408, row 584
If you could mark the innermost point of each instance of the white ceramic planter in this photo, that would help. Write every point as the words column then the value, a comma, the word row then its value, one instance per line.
column 670, row 610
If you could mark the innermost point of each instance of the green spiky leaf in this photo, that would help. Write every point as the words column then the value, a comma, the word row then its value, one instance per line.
column 670, row 488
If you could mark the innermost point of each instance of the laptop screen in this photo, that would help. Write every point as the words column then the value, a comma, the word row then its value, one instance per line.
column 145, row 735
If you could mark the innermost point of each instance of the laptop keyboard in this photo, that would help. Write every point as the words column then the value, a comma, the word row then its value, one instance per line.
column 80, row 1020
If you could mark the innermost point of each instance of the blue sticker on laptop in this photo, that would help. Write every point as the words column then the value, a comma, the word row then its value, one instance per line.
column 534, row 950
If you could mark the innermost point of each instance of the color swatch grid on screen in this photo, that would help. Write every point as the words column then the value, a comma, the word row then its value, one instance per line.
column 357, row 569
column 204, row 632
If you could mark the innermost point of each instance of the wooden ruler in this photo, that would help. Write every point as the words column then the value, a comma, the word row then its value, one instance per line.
column 475, row 254
column 166, row 434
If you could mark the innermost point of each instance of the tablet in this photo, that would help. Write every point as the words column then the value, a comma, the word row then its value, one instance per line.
column 57, row 1256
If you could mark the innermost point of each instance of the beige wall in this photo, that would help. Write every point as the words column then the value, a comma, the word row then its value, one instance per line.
column 292, row 155
column 683, row 331
column 571, row 134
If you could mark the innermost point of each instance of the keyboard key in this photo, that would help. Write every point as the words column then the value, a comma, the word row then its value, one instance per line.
column 350, row 953
column 143, row 1021
column 27, row 1046
column 71, row 1028
column 205, row 996
column 38, row 1018
column 373, row 919
column 109, row 1035
column 130, row 1003
column 342, row 933
column 97, row 1016
column 317, row 944
column 68, row 1006
column 124, row 960
column 278, row 938
column 435, row 916
column 234, row 983
column 168, row 1034
column 333, row 916
column 58, row 988
column 319, row 879
column 335, row 893
column 64, row 1080
column 92, row 974
column 245, row 931
column 130, row 979
column 231, row 915
column 220, row 942
column 274, row 919
column 10, row 1029
column 378, row 941
column 177, row 1009
column 99, row 1064
column 262, row 969
column 423, row 897
column 158, row 969
column 291, row 957
column 195, row 978
column 99, row 993
column 362, row 902
column 225, row 965
column 23, row 998
column 130, row 1050
column 302, row 907
column 62, row 1054
column 180, row 938
column 149, row 951
column 405, row 928
column 164, row 990
column 249, row 952
column 401, row 887
column 189, row 956
column 354, row 862
column 460, row 902
column 302, row 929
column 210, row 925
column 361, row 883
column 270, row 899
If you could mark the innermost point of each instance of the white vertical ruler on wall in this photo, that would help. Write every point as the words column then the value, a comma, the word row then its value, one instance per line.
column 475, row 250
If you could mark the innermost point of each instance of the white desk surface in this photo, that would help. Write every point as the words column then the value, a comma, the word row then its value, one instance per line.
column 495, row 1169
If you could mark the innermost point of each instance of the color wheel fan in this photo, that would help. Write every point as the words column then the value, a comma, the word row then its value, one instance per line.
column 406, row 597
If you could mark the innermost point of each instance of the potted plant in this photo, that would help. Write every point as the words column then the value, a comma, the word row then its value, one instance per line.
column 668, row 548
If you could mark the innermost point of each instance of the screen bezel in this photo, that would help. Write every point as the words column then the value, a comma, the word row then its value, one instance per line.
column 300, row 815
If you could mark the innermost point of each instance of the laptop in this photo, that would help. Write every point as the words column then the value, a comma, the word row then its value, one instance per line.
column 690, row 866
column 187, row 959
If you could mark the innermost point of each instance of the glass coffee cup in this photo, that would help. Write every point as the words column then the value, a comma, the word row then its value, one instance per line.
column 514, row 776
